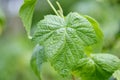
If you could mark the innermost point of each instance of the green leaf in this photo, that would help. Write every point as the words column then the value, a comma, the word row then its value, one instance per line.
column 64, row 39
column 98, row 46
column 98, row 67
column 38, row 58
column 26, row 14
column 117, row 75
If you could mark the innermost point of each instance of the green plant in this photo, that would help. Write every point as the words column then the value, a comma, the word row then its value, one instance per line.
column 68, row 44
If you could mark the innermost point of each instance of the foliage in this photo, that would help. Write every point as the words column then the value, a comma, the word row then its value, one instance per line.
column 68, row 43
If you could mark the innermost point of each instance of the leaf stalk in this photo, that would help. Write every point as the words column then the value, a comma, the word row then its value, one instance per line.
column 57, row 12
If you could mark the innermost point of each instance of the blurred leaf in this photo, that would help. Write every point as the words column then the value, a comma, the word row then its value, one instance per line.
column 26, row 14
column 117, row 75
column 98, row 46
column 98, row 67
column 38, row 58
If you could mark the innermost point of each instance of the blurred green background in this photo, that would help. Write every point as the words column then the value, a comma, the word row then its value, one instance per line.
column 16, row 49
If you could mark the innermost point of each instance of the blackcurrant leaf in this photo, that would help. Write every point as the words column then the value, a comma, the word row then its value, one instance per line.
column 99, row 34
column 97, row 67
column 64, row 39
column 38, row 58
column 26, row 14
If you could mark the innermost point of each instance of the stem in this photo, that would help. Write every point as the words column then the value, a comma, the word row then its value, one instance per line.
column 53, row 7
column 60, row 11
column 73, row 77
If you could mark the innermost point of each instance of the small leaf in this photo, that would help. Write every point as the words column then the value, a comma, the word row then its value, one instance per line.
column 98, row 46
column 38, row 58
column 64, row 39
column 98, row 67
column 26, row 14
